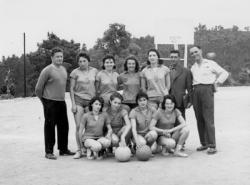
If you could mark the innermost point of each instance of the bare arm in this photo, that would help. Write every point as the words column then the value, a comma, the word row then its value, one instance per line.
column 72, row 86
column 143, row 84
column 109, row 131
column 134, row 132
column 167, row 81
column 153, row 126
column 180, row 126
column 128, row 126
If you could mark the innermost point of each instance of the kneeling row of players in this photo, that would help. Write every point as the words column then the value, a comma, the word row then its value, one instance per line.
column 104, row 131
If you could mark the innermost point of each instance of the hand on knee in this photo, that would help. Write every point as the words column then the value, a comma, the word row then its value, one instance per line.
column 114, row 140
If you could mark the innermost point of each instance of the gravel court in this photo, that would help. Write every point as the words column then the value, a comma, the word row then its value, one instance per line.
column 23, row 163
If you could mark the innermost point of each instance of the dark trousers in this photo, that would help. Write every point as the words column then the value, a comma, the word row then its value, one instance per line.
column 203, row 103
column 55, row 114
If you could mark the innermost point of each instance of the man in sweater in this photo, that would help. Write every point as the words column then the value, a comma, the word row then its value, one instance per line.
column 50, row 89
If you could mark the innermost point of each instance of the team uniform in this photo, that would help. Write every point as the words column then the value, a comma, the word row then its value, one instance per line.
column 142, row 124
column 84, row 89
column 164, row 121
column 142, row 120
column 118, row 125
column 94, row 129
column 108, row 84
column 155, row 83
column 131, row 86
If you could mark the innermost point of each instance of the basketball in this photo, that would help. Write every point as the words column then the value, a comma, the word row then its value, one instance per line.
column 169, row 143
column 143, row 153
column 122, row 154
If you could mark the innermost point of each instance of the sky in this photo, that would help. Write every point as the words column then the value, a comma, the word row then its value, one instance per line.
column 86, row 20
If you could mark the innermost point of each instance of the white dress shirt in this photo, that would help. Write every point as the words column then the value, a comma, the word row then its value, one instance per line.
column 208, row 72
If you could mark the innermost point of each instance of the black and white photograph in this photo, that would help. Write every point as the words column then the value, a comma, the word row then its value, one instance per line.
column 124, row 92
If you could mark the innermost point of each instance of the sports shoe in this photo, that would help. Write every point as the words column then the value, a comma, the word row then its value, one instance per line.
column 66, row 152
column 211, row 151
column 180, row 154
column 77, row 155
column 165, row 152
column 201, row 148
column 50, row 156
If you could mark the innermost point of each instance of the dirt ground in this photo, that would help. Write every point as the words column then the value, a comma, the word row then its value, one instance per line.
column 22, row 159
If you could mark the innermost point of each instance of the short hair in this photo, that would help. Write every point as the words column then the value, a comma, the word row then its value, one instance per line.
column 136, row 63
column 56, row 50
column 141, row 95
column 158, row 55
column 196, row 46
column 168, row 97
column 175, row 52
column 116, row 95
column 96, row 98
column 84, row 55
column 108, row 57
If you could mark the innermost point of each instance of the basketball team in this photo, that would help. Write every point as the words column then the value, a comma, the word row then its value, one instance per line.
column 141, row 106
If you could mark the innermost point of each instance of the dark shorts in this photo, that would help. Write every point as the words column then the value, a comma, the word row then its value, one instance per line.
column 81, row 102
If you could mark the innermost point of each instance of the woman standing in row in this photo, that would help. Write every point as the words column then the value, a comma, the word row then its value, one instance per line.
column 129, row 80
column 155, row 78
column 106, row 79
column 82, row 89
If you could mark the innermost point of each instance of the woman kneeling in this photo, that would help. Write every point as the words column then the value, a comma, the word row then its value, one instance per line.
column 91, row 129
column 140, row 120
column 119, row 121
column 163, row 123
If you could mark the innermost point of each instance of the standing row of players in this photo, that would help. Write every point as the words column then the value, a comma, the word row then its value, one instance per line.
column 91, row 91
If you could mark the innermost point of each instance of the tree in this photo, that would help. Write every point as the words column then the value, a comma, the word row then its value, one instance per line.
column 114, row 40
column 42, row 57
column 231, row 45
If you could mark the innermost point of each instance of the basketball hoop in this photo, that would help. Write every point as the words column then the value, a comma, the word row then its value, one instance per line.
column 175, row 41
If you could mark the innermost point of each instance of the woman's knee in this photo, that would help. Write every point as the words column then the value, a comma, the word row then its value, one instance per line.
column 141, row 140
column 185, row 130
column 93, row 145
column 104, row 142
column 151, row 136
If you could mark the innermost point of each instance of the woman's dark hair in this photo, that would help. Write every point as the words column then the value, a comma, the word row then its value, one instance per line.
column 56, row 50
column 108, row 57
column 84, row 55
column 141, row 95
column 136, row 63
column 116, row 95
column 168, row 97
column 96, row 98
column 157, row 53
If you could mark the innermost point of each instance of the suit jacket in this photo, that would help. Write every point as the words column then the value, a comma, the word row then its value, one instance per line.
column 181, row 80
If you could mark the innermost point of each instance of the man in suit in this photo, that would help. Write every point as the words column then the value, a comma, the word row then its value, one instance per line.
column 181, row 82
